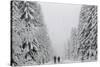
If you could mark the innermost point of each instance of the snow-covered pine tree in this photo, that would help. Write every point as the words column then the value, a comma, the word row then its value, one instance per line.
column 73, row 45
column 30, row 40
column 88, row 33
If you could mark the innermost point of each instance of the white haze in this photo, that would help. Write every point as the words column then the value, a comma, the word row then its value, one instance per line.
column 60, row 18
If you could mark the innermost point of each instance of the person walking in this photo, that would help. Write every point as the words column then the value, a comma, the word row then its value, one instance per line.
column 58, row 59
column 54, row 59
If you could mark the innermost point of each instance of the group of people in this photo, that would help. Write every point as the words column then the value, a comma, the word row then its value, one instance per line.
column 56, row 59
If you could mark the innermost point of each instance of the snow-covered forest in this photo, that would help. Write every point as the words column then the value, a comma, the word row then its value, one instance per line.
column 47, row 33
column 30, row 41
column 83, row 40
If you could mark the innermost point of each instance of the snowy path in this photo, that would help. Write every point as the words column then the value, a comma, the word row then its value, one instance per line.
column 63, row 62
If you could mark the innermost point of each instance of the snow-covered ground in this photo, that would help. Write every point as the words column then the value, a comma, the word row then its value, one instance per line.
column 63, row 62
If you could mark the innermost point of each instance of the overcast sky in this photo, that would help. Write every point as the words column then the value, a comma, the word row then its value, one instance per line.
column 60, row 18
